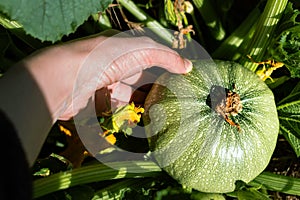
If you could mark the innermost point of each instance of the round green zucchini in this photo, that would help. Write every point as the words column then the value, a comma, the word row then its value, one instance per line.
column 213, row 126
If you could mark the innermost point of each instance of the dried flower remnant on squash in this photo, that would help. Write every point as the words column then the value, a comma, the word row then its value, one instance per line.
column 225, row 103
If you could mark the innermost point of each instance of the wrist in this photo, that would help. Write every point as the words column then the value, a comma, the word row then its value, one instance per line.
column 54, row 70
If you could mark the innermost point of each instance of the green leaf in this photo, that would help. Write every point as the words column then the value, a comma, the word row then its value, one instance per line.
column 49, row 20
column 172, row 193
column 79, row 192
column 251, row 193
column 117, row 190
column 293, row 140
column 275, row 182
column 289, row 117
column 170, row 12
column 285, row 46
column 42, row 172
column 206, row 196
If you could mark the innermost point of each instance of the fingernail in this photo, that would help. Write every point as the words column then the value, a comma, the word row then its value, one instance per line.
column 188, row 65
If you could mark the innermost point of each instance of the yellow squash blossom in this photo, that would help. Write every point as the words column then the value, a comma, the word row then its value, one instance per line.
column 122, row 120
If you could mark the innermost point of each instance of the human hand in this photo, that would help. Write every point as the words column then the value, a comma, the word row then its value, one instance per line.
column 115, row 67
column 58, row 82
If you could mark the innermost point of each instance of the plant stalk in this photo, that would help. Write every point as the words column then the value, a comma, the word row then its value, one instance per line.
column 280, row 183
column 209, row 15
column 17, row 29
column 119, row 170
column 228, row 50
column 94, row 173
column 148, row 21
column 266, row 26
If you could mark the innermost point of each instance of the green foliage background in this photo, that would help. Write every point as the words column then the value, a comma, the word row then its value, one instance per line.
column 49, row 20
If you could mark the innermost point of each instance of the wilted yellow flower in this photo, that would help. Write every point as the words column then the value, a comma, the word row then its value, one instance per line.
column 110, row 138
column 64, row 130
column 126, row 117
column 123, row 119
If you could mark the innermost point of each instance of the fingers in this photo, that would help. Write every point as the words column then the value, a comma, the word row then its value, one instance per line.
column 118, row 58
column 152, row 54
column 120, row 94
column 133, row 89
column 167, row 59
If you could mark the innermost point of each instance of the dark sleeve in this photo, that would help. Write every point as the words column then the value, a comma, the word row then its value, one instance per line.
column 15, row 178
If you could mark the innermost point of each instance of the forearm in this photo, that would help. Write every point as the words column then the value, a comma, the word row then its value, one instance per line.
column 24, row 104
column 54, row 70
column 34, row 93
column 37, row 90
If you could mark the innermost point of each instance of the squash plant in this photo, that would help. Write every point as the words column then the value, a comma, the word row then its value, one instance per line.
column 271, row 25
column 213, row 126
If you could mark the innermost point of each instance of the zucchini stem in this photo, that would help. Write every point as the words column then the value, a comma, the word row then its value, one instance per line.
column 257, row 46
column 228, row 50
column 210, row 17
column 148, row 21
